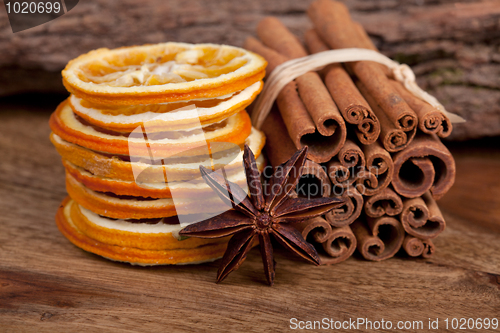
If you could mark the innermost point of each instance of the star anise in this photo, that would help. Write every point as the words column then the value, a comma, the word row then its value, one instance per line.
column 258, row 216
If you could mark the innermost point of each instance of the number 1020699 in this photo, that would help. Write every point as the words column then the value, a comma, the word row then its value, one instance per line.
column 24, row 7
column 471, row 323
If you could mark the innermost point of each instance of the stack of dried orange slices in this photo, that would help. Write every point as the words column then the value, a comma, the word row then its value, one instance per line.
column 132, row 135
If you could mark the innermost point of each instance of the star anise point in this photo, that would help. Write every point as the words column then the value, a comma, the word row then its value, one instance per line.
column 256, row 215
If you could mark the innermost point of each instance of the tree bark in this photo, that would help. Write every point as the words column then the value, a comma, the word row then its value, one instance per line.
column 453, row 46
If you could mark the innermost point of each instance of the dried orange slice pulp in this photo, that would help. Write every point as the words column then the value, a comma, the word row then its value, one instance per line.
column 162, row 73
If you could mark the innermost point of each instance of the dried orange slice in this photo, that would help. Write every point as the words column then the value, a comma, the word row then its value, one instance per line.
column 117, row 207
column 195, row 188
column 165, row 116
column 160, row 73
column 131, row 254
column 161, row 234
column 232, row 131
column 119, row 168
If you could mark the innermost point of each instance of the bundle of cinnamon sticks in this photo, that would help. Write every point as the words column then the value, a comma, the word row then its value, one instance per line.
column 370, row 141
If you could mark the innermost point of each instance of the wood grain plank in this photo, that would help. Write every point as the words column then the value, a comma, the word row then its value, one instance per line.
column 49, row 285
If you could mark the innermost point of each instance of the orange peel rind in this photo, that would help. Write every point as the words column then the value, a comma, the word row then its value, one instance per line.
column 160, row 73
column 180, row 189
column 171, row 116
column 184, row 254
column 117, row 207
column 233, row 131
column 102, row 165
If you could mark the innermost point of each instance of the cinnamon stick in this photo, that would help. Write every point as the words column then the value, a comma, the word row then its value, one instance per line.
column 349, row 211
column 334, row 25
column 279, row 148
column 299, row 123
column 379, row 170
column 343, row 168
column 425, row 165
column 351, row 103
column 321, row 108
column 351, row 155
column 421, row 217
column 330, row 125
column 272, row 57
column 366, row 43
column 430, row 119
column 295, row 116
column 276, row 36
column 394, row 138
column 379, row 238
column 340, row 175
column 337, row 244
column 315, row 230
column 314, row 181
column 429, row 248
column 387, row 202
column 415, row 247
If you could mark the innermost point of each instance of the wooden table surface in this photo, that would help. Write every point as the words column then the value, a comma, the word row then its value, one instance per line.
column 49, row 285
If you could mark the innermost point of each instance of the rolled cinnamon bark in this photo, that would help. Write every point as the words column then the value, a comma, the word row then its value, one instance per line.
column 306, row 119
column 294, row 114
column 379, row 238
column 425, row 165
column 415, row 247
column 340, row 175
column 318, row 102
column 364, row 39
column 386, row 202
column 429, row 248
column 337, row 244
column 314, row 181
column 366, row 43
column 352, row 105
column 394, row 138
column 343, row 169
column 279, row 148
column 379, row 170
column 421, row 217
column 315, row 230
column 334, row 25
column 272, row 57
column 321, row 108
column 276, row 36
column 351, row 155
column 349, row 211
column 430, row 119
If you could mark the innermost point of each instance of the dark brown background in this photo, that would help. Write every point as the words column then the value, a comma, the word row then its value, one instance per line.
column 49, row 285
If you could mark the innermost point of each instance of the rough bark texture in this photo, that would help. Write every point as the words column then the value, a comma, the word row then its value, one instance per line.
column 453, row 48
